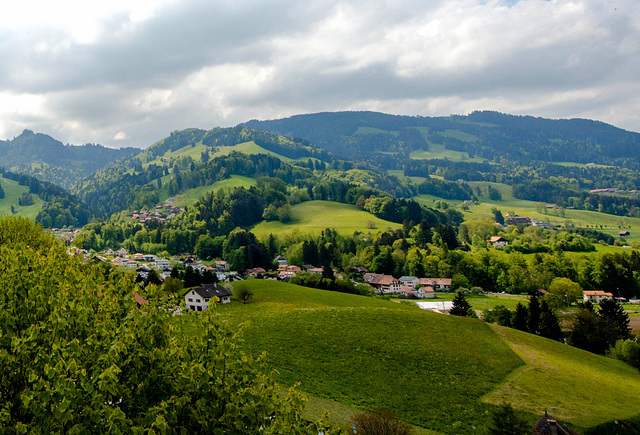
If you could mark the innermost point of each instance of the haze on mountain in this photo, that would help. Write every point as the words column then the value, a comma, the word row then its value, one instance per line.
column 125, row 73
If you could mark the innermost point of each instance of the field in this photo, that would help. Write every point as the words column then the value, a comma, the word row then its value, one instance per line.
column 438, row 372
column 190, row 196
column 311, row 217
column 12, row 192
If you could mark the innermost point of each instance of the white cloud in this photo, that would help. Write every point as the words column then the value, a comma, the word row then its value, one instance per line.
column 88, row 72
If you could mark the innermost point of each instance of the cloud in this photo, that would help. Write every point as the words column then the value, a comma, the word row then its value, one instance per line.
column 129, row 74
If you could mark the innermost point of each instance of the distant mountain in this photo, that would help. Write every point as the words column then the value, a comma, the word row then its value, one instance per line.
column 48, row 159
column 389, row 139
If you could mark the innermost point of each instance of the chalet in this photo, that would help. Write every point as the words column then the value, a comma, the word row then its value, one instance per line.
column 131, row 264
column 541, row 224
column 199, row 298
column 138, row 257
column 595, row 296
column 441, row 284
column 122, row 253
column 117, row 261
column 281, row 260
column 623, row 233
column 407, row 291
column 149, row 257
column 498, row 242
column 255, row 272
column 384, row 284
column 514, row 219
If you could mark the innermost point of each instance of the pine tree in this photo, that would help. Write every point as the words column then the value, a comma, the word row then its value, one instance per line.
column 461, row 307
column 549, row 325
column 615, row 319
column 534, row 315
column 520, row 318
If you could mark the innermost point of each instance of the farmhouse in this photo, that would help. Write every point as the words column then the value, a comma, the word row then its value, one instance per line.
column 436, row 283
column 595, row 296
column 162, row 263
column 383, row 283
column 514, row 219
column 198, row 298
column 623, row 233
column 409, row 281
column 498, row 242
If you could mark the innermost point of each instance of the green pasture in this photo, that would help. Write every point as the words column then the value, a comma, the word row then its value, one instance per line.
column 611, row 224
column 12, row 192
column 441, row 373
column 195, row 152
column 484, row 302
column 190, row 196
column 311, row 217
column 585, row 389
column 373, row 130
column 438, row 151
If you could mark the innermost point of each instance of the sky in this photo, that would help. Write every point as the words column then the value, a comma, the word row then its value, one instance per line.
column 128, row 72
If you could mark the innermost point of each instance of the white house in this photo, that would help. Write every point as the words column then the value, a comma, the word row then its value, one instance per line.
column 198, row 298
column 410, row 281
column 162, row 263
column 595, row 296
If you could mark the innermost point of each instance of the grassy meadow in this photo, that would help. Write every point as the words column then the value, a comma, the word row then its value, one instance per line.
column 441, row 373
column 311, row 217
column 12, row 192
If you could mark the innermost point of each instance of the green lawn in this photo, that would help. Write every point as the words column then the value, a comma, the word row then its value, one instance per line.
column 438, row 151
column 12, row 192
column 438, row 372
column 585, row 389
column 311, row 217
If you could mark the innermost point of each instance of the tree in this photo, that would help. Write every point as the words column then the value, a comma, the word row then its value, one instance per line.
column 243, row 293
column 172, row 285
column 533, row 322
column 78, row 356
column 461, row 307
column 520, row 317
column 549, row 325
column 615, row 319
column 380, row 422
column 563, row 291
column 504, row 421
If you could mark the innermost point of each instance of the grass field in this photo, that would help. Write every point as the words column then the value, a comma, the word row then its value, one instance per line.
column 438, row 151
column 12, row 192
column 585, row 389
column 311, row 217
column 190, row 196
column 438, row 372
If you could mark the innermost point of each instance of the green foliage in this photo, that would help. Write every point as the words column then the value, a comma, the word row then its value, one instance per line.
column 505, row 421
column 563, row 291
column 627, row 351
column 381, row 421
column 461, row 307
column 243, row 293
column 77, row 356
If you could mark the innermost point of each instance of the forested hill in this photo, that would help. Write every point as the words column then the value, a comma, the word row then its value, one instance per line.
column 485, row 134
column 48, row 159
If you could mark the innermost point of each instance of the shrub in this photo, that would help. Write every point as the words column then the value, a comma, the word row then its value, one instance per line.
column 380, row 422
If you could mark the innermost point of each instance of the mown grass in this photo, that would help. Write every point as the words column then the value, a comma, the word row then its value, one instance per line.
column 12, row 192
column 438, row 151
column 585, row 389
column 311, row 217
column 364, row 353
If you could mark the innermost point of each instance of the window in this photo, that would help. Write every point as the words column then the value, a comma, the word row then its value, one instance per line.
column 190, row 300
column 198, row 300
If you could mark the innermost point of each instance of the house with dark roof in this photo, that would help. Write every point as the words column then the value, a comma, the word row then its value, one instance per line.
column 199, row 298
column 548, row 425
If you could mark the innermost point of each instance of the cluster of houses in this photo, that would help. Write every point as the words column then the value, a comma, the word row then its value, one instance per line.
column 162, row 213
column 407, row 286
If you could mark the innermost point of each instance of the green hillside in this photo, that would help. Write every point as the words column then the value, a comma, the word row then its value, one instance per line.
column 12, row 192
column 438, row 372
column 190, row 196
column 315, row 216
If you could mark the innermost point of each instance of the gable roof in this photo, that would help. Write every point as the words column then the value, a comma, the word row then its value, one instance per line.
column 207, row 291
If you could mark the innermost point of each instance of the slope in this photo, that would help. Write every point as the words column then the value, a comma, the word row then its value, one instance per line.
column 438, row 372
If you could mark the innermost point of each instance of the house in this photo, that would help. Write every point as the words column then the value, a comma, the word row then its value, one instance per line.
column 131, row 264
column 139, row 299
column 407, row 291
column 441, row 284
column 548, row 425
column 409, row 281
column 162, row 263
column 255, row 272
column 221, row 265
column 149, row 257
column 281, row 260
column 623, row 233
column 122, row 253
column 384, row 284
column 541, row 224
column 138, row 257
column 199, row 298
column 498, row 242
column 425, row 293
column 595, row 296
column 514, row 219
column 143, row 272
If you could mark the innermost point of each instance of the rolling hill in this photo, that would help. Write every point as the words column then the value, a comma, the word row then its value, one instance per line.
column 438, row 372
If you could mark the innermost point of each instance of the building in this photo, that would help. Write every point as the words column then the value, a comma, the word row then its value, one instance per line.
column 385, row 284
column 199, row 298
column 595, row 296
column 498, row 242
column 438, row 284
column 514, row 219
